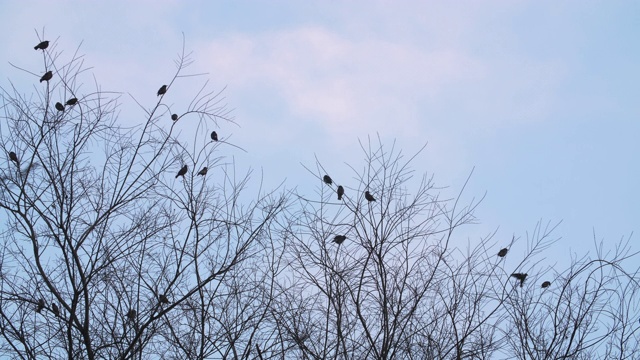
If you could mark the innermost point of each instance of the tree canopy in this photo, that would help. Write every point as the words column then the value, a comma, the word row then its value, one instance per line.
column 141, row 241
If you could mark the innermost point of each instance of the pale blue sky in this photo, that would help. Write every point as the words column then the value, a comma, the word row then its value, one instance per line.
column 541, row 97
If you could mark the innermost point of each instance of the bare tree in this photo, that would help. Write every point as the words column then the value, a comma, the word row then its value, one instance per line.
column 589, row 311
column 379, row 275
column 137, row 241
column 106, row 253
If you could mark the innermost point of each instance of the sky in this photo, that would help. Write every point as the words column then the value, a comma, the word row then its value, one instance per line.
column 540, row 99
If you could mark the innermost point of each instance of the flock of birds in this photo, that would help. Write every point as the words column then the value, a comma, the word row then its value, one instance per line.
column 60, row 107
column 162, row 299
column 521, row 276
column 214, row 136
column 339, row 239
column 49, row 75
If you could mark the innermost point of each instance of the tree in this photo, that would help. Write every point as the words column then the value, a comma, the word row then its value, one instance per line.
column 97, row 227
column 403, row 288
column 591, row 313
column 107, row 254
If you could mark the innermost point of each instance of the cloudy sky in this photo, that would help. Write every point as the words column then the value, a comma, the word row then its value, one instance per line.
column 542, row 98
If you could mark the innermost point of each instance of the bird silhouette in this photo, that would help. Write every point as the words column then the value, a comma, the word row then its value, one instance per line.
column 521, row 277
column 503, row 252
column 40, row 305
column 339, row 239
column 55, row 310
column 340, row 192
column 327, row 179
column 546, row 284
column 13, row 157
column 368, row 196
column 42, row 45
column 131, row 314
column 162, row 90
column 59, row 106
column 182, row 171
column 163, row 299
column 72, row 101
column 214, row 136
column 174, row 117
column 203, row 171
column 47, row 76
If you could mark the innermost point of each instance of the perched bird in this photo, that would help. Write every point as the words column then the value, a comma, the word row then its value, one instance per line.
column 214, row 136
column 72, row 101
column 162, row 90
column 47, row 76
column 131, row 314
column 340, row 192
column 339, row 239
column 182, row 171
column 13, row 157
column 546, row 284
column 203, row 171
column 174, row 117
column 327, row 179
column 503, row 252
column 521, row 277
column 368, row 196
column 43, row 45
column 163, row 299
column 59, row 106
column 55, row 309
column 40, row 305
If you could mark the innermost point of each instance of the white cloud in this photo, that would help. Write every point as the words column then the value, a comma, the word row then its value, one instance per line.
column 346, row 85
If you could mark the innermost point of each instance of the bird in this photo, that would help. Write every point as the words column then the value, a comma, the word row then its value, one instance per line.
column 47, row 76
column 40, row 305
column 203, row 171
column 55, row 309
column 214, row 136
column 340, row 192
column 546, row 284
column 339, row 239
column 14, row 157
column 162, row 90
column 503, row 252
column 163, row 299
column 182, row 171
column 521, row 277
column 327, row 179
column 59, row 106
column 72, row 101
column 131, row 314
column 368, row 196
column 174, row 117
column 42, row 45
